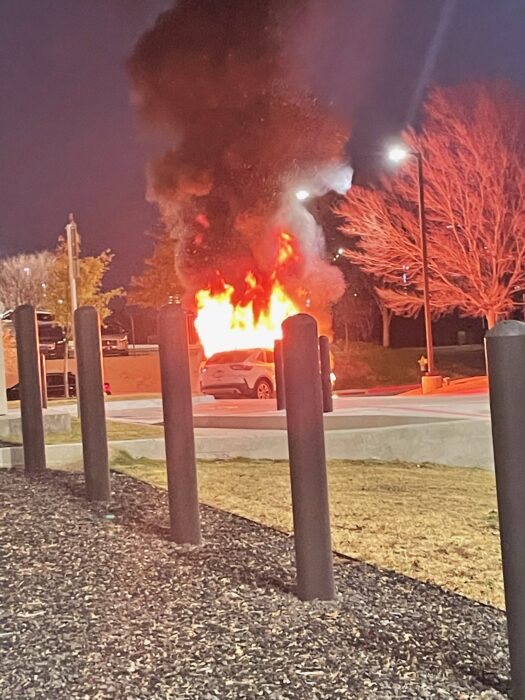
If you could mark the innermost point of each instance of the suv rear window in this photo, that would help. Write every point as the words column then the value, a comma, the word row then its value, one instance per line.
column 112, row 329
column 50, row 333
column 222, row 358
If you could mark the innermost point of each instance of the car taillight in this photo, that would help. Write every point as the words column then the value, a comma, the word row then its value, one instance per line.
column 242, row 368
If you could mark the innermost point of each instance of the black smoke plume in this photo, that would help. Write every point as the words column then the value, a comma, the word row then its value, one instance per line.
column 243, row 137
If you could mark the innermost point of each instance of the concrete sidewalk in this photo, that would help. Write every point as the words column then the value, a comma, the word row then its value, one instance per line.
column 464, row 443
column 113, row 405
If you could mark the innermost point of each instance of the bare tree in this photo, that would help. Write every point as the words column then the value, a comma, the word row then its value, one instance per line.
column 352, row 319
column 354, row 316
column 473, row 147
column 24, row 279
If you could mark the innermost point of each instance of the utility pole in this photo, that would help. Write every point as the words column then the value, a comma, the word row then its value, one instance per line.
column 73, row 265
column 73, row 271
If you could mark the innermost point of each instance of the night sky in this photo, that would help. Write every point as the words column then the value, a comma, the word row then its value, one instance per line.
column 70, row 139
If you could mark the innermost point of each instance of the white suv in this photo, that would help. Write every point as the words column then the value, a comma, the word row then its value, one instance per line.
column 239, row 373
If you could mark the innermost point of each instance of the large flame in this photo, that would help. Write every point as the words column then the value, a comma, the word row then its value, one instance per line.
column 225, row 324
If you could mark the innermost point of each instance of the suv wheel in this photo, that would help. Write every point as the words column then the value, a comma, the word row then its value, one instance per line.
column 263, row 389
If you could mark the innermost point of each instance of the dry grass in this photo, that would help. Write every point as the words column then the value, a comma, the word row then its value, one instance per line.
column 433, row 523
column 115, row 429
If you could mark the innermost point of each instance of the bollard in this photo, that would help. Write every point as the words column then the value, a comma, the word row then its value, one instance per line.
column 27, row 352
column 304, row 417
column 279, row 374
column 90, row 392
column 505, row 348
column 43, row 379
column 326, row 371
column 178, row 426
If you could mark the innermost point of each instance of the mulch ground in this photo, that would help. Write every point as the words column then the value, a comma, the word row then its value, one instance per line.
column 102, row 605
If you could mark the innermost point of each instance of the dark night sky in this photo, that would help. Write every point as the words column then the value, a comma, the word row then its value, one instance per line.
column 69, row 139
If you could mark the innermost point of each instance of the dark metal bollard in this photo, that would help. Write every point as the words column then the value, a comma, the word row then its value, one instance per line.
column 505, row 347
column 178, row 426
column 90, row 390
column 27, row 352
column 326, row 371
column 304, row 416
column 279, row 374
column 43, row 379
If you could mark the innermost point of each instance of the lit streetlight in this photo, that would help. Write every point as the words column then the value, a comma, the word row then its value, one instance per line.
column 397, row 154
column 302, row 195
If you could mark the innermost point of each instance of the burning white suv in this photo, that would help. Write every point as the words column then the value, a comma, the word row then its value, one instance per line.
column 248, row 373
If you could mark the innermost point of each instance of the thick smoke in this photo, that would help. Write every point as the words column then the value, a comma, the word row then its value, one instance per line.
column 243, row 138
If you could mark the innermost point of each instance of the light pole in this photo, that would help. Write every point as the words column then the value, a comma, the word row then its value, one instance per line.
column 72, row 255
column 398, row 154
column 73, row 270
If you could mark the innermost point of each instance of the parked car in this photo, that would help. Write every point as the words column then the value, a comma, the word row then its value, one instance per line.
column 52, row 340
column 41, row 316
column 44, row 318
column 55, row 387
column 51, row 336
column 114, row 340
column 248, row 373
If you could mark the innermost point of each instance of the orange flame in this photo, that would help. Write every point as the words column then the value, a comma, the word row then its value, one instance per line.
column 286, row 250
column 223, row 324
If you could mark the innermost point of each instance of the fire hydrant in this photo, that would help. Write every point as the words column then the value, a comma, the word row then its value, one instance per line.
column 429, row 381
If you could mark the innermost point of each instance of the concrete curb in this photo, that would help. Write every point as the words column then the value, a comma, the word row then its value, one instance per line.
column 55, row 421
column 332, row 421
column 135, row 403
column 465, row 443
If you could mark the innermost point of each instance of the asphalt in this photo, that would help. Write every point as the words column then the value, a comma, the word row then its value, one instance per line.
column 399, row 408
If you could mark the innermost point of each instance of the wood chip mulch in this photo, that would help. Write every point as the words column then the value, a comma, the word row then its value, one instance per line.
column 97, row 604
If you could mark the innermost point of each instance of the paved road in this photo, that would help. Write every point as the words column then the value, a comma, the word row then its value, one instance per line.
column 396, row 409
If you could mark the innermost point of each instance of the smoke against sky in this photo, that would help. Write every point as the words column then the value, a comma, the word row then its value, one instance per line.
column 213, row 76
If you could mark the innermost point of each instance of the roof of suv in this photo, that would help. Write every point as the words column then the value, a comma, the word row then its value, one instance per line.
column 234, row 355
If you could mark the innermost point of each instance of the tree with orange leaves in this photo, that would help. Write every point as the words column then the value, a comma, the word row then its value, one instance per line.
column 472, row 142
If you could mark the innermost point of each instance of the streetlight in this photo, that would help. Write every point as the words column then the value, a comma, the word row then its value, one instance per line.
column 302, row 195
column 397, row 154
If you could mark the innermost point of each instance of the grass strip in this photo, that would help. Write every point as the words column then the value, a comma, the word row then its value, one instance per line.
column 115, row 429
